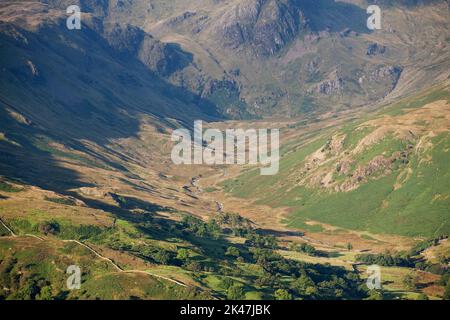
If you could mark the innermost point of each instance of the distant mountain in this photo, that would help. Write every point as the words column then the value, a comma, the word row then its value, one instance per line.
column 86, row 176
column 258, row 58
column 65, row 87
column 288, row 57
column 387, row 172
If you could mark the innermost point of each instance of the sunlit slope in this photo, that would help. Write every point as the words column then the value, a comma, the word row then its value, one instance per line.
column 387, row 173
column 26, row 279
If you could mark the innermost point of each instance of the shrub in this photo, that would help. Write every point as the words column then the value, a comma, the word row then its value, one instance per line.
column 194, row 266
column 183, row 254
column 386, row 259
column 6, row 187
column 282, row 294
column 49, row 227
column 232, row 251
column 236, row 292
column 306, row 248
column 410, row 281
column 65, row 201
column 199, row 228
column 423, row 245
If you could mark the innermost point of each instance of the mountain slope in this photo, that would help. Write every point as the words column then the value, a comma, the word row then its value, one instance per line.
column 73, row 92
column 386, row 173
column 297, row 57
column 258, row 58
column 85, row 142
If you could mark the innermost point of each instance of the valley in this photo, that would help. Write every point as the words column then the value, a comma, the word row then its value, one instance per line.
column 87, row 178
column 118, row 219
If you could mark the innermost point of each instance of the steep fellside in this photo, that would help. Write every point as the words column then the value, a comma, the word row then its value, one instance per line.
column 386, row 173
column 71, row 93
column 255, row 58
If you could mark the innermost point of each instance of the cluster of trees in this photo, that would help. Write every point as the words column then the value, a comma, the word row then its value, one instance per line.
column 305, row 248
column 310, row 281
column 423, row 245
column 445, row 282
column 261, row 241
column 436, row 268
column 81, row 232
column 387, row 259
column 234, row 289
column 156, row 254
column 196, row 226
column 16, row 285
column 235, row 224
column 182, row 257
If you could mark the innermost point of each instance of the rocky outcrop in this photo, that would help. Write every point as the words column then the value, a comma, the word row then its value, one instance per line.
column 390, row 74
column 384, row 72
column 336, row 168
column 377, row 167
column 125, row 39
column 375, row 49
column 162, row 58
column 214, row 85
column 332, row 85
column 264, row 25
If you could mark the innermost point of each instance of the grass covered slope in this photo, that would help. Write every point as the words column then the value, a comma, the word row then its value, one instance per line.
column 148, row 253
column 386, row 173
column 33, row 269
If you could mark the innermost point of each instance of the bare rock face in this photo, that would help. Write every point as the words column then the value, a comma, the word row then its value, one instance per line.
column 334, row 84
column 390, row 74
column 124, row 39
column 162, row 58
column 386, row 71
column 375, row 49
column 213, row 85
column 265, row 25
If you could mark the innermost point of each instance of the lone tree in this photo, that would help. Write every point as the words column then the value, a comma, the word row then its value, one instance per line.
column 282, row 294
column 49, row 227
column 183, row 254
column 232, row 251
column 447, row 292
column 410, row 281
column 235, row 292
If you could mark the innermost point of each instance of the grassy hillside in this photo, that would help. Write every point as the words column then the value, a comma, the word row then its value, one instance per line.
column 387, row 173
column 153, row 247
column 37, row 270
column 86, row 176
